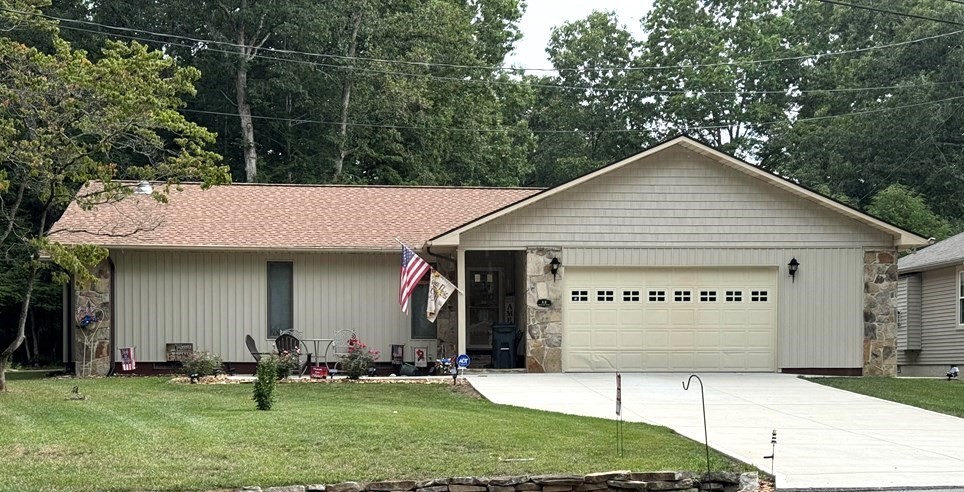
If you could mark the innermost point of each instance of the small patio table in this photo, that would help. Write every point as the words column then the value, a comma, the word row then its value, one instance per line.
column 317, row 344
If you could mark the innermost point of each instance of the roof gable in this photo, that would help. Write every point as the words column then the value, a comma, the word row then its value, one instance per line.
column 901, row 237
column 286, row 217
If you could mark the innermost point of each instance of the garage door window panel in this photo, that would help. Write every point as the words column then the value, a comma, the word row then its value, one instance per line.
column 604, row 296
column 630, row 296
column 580, row 296
column 657, row 296
column 707, row 296
column 734, row 296
column 759, row 296
column 682, row 296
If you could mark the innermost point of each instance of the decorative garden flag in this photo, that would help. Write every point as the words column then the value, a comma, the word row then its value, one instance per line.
column 439, row 291
column 128, row 362
column 413, row 269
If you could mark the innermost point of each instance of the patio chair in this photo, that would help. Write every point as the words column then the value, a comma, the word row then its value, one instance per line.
column 339, row 347
column 253, row 348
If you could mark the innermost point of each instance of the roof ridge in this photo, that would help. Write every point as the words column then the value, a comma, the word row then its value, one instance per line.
column 360, row 186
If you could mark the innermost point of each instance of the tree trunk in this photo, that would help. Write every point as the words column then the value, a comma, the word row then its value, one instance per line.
column 21, row 327
column 33, row 333
column 244, row 109
column 345, row 99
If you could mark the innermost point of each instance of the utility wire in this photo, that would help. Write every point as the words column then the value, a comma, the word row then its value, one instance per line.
column 577, row 130
column 788, row 91
column 206, row 42
column 892, row 12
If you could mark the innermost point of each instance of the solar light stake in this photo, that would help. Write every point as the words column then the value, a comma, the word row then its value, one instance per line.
column 706, row 440
column 773, row 450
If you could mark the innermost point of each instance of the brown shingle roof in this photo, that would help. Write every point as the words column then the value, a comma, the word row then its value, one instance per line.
column 292, row 217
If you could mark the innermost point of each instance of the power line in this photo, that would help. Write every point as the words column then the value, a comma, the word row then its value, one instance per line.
column 892, row 12
column 787, row 91
column 206, row 42
column 506, row 130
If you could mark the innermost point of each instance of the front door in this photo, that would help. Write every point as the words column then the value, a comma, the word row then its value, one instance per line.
column 485, row 306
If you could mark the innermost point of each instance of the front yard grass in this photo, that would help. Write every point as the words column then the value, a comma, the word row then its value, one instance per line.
column 149, row 434
column 938, row 395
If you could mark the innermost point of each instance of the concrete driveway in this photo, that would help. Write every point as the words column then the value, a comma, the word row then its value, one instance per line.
column 827, row 438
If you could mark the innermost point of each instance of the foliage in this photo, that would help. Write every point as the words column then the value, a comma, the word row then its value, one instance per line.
column 937, row 394
column 357, row 420
column 902, row 207
column 67, row 121
column 202, row 363
column 267, row 380
column 289, row 363
column 359, row 358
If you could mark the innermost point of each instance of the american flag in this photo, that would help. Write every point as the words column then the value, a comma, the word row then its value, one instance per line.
column 413, row 269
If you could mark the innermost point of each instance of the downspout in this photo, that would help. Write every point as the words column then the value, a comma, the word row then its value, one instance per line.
column 428, row 249
column 113, row 320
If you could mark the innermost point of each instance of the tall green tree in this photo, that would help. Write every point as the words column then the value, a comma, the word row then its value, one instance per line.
column 66, row 121
column 699, row 59
column 902, row 207
column 867, row 117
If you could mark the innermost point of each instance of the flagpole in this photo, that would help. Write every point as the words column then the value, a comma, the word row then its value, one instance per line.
column 457, row 289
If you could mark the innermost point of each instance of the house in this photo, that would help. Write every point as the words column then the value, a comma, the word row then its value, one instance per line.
column 929, row 302
column 679, row 258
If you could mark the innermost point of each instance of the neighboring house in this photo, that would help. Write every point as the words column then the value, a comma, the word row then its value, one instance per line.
column 674, row 259
column 930, row 301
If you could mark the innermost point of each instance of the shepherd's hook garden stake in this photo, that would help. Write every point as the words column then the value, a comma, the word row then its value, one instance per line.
column 706, row 440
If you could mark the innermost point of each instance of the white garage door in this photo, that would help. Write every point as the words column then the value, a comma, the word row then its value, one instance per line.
column 669, row 319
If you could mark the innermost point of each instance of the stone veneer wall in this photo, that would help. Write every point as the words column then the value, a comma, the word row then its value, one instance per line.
column 95, row 339
column 543, row 324
column 616, row 481
column 880, row 321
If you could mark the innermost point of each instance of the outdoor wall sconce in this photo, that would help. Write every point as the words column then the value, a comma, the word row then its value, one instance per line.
column 554, row 267
column 792, row 268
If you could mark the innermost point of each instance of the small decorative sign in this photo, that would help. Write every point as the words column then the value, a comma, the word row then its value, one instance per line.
column 319, row 372
column 177, row 352
column 544, row 302
column 619, row 394
column 463, row 361
column 420, row 357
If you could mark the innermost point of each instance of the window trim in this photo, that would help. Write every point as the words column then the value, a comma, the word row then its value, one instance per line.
column 685, row 294
column 960, row 298
column 713, row 295
column 658, row 293
column 291, row 300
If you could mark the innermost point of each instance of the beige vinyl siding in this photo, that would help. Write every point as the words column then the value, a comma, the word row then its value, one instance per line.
column 214, row 299
column 909, row 305
column 675, row 198
column 819, row 316
column 941, row 341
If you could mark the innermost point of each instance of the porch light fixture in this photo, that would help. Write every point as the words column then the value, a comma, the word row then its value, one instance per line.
column 792, row 268
column 554, row 267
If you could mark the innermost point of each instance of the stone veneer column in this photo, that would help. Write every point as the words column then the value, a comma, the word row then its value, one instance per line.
column 880, row 322
column 543, row 324
column 95, row 339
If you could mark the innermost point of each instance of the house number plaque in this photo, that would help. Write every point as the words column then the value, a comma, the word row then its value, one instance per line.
column 544, row 302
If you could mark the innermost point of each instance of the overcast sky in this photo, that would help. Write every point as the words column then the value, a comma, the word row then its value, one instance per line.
column 542, row 15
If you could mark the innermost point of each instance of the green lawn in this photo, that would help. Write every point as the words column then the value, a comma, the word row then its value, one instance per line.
column 938, row 395
column 146, row 433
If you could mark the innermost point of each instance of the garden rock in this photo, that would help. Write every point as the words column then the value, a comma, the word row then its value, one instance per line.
column 345, row 487
column 607, row 476
column 391, row 486
column 628, row 484
column 289, row 488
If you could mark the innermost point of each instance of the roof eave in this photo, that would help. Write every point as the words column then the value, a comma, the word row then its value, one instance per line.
column 239, row 249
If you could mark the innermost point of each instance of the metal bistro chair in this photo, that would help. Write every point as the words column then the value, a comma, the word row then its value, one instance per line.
column 340, row 344
column 287, row 342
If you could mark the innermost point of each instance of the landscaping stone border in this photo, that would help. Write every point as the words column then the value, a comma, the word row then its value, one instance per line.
column 613, row 481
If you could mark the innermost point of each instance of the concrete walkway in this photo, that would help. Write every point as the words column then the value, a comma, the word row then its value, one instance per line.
column 827, row 438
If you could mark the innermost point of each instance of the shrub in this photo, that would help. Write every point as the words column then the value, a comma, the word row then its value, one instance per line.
column 202, row 363
column 358, row 359
column 288, row 363
column 265, row 383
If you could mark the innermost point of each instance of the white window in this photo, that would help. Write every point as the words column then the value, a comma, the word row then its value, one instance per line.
column 682, row 296
column 604, row 296
column 630, row 296
column 580, row 296
column 734, row 296
column 657, row 296
column 758, row 296
column 707, row 296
